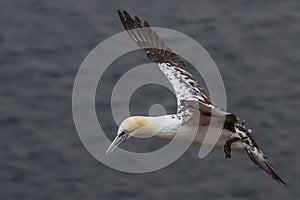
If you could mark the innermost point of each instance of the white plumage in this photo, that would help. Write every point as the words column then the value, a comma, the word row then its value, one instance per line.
column 195, row 113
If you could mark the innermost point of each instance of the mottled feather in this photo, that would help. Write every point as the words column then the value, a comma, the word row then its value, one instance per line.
column 189, row 92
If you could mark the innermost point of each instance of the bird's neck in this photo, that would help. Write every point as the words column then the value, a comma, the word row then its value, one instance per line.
column 173, row 126
column 162, row 126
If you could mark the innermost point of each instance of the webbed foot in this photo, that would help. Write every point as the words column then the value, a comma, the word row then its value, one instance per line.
column 227, row 147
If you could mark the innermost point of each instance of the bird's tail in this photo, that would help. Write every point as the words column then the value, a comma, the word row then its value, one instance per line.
column 258, row 157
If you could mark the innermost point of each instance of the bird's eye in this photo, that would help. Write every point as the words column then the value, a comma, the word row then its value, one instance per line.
column 124, row 132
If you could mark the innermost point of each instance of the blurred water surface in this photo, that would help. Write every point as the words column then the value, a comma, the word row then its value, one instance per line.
column 255, row 45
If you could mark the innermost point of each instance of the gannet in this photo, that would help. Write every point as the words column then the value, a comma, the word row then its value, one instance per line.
column 191, row 98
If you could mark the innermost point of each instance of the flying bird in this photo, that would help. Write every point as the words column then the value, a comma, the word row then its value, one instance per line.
column 192, row 99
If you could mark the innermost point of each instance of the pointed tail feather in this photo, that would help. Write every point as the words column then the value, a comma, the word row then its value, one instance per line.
column 258, row 157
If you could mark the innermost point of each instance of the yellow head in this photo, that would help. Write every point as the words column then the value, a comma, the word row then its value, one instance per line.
column 128, row 128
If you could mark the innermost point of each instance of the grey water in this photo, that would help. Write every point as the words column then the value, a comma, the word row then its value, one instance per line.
column 42, row 45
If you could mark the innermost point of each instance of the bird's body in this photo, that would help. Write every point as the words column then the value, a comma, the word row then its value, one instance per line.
column 182, row 127
column 197, row 119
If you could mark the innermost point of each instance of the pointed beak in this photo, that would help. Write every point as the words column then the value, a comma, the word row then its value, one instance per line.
column 118, row 140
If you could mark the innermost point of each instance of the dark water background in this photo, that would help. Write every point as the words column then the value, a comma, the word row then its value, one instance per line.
column 42, row 44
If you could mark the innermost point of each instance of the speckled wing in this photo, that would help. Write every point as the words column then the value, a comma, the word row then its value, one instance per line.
column 185, row 86
column 255, row 153
column 189, row 93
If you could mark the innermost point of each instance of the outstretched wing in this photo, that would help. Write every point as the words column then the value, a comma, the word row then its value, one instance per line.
column 185, row 86
column 258, row 157
column 255, row 153
column 189, row 92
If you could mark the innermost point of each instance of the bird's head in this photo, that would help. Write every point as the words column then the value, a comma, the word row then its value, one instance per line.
column 130, row 127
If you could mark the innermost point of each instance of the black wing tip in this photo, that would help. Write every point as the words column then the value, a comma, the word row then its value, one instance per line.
column 121, row 16
column 279, row 180
column 147, row 39
column 266, row 166
column 124, row 14
column 274, row 174
column 146, row 24
column 119, row 12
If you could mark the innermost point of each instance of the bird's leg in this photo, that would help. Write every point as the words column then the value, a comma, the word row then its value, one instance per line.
column 227, row 146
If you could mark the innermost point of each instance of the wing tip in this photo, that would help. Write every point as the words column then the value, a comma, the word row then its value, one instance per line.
column 274, row 174
column 260, row 159
column 121, row 16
